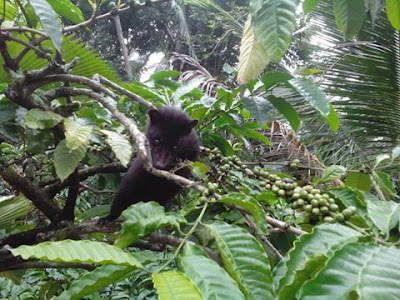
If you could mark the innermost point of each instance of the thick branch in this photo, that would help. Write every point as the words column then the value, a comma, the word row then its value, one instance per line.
column 95, row 86
column 32, row 192
column 54, row 186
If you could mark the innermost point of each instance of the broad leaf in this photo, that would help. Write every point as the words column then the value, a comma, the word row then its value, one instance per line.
column 318, row 245
column 94, row 281
column 395, row 152
column 357, row 271
column 66, row 160
column 385, row 182
column 142, row 90
column 212, row 281
column 273, row 26
column 247, row 203
column 384, row 214
column 359, row 180
column 381, row 158
column 68, row 10
column 49, row 21
column 349, row 16
column 286, row 110
column 351, row 197
column 253, row 59
column 165, row 74
column 393, row 12
column 244, row 259
column 76, row 135
column 187, row 87
column 309, row 5
column 333, row 119
column 312, row 94
column 271, row 79
column 259, row 108
column 39, row 119
column 143, row 218
column 77, row 251
column 120, row 145
column 199, row 170
column 174, row 285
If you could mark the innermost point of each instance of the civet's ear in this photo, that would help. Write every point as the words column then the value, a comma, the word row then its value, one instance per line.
column 193, row 123
column 154, row 115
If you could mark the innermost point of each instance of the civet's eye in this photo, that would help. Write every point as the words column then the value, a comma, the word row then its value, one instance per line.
column 175, row 148
column 156, row 142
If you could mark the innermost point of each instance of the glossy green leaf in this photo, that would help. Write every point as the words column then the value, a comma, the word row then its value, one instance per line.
column 187, row 87
column 309, row 5
column 143, row 218
column 381, row 158
column 199, row 170
column 251, row 133
column 174, row 285
column 271, row 79
column 351, row 197
column 49, row 21
column 247, row 203
column 312, row 94
column 359, row 180
column 259, row 108
column 253, row 59
column 68, row 10
column 349, row 16
column 244, row 259
column 77, row 251
column 165, row 74
column 120, row 145
column 333, row 119
column 393, row 12
column 76, row 135
column 384, row 182
column 395, row 153
column 309, row 254
column 39, row 119
column 357, row 271
column 66, row 160
column 212, row 280
column 286, row 110
column 142, row 91
column 384, row 214
column 94, row 281
column 273, row 26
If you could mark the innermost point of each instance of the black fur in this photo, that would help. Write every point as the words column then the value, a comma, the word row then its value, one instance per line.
column 172, row 139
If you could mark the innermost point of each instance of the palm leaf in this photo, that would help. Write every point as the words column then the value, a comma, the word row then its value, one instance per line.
column 361, row 78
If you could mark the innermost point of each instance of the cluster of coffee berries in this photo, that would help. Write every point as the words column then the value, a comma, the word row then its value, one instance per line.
column 305, row 199
column 96, row 147
column 225, row 163
column 294, row 164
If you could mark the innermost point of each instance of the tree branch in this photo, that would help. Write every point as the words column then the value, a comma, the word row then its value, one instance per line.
column 97, row 19
column 123, row 91
column 32, row 192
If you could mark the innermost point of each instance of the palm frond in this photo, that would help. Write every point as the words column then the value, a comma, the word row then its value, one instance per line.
column 361, row 78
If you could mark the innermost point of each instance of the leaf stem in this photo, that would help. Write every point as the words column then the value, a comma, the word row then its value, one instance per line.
column 188, row 235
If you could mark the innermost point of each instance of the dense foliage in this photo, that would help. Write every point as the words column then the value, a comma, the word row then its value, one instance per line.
column 294, row 195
